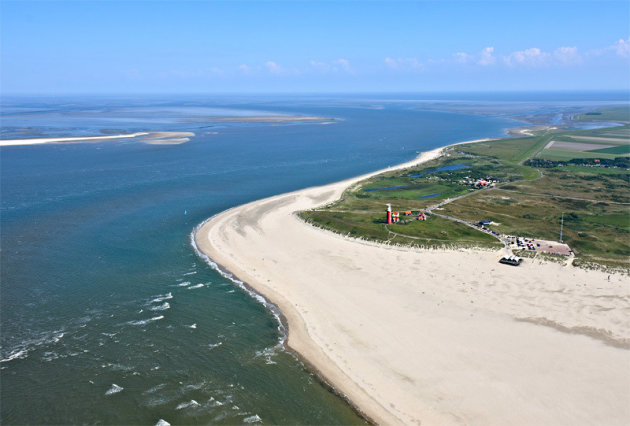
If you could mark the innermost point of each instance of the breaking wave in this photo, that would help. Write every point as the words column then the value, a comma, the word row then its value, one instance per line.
column 114, row 389
column 146, row 321
column 191, row 403
column 164, row 306
column 275, row 311
column 21, row 350
column 192, row 287
column 253, row 419
column 162, row 298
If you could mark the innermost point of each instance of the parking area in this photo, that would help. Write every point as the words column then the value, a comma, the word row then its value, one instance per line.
column 543, row 246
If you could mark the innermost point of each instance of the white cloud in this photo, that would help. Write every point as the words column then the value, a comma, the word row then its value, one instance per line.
column 344, row 64
column 337, row 65
column 392, row 63
column 273, row 68
column 567, row 55
column 406, row 64
column 531, row 57
column 463, row 58
column 622, row 48
column 320, row 66
column 486, row 58
column 246, row 69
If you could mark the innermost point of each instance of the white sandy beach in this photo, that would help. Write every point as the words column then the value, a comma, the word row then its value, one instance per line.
column 152, row 138
column 434, row 337
column 37, row 141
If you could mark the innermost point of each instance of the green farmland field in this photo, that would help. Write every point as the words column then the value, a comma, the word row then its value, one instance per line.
column 617, row 150
column 557, row 154
column 621, row 114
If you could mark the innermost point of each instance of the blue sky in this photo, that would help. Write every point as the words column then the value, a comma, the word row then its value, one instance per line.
column 51, row 47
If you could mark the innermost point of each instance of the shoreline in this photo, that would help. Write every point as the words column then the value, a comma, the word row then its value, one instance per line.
column 267, row 300
column 283, row 323
column 226, row 241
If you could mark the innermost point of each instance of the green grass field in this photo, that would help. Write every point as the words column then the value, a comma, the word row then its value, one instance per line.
column 590, row 170
column 621, row 114
column 434, row 232
column 616, row 150
column 527, row 201
column 562, row 155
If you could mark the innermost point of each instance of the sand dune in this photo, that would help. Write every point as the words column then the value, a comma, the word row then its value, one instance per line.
column 434, row 337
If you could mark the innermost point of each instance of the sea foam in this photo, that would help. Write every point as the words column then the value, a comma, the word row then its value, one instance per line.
column 114, row 389
column 22, row 350
column 164, row 306
column 252, row 419
column 191, row 403
column 154, row 388
column 16, row 354
column 162, row 298
column 196, row 286
column 275, row 311
column 146, row 321
column 214, row 345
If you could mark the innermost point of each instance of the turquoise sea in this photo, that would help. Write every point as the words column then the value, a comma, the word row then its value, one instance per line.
column 109, row 316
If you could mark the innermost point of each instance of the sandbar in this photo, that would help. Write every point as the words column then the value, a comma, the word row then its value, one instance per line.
column 153, row 138
column 433, row 337
column 273, row 119
column 36, row 141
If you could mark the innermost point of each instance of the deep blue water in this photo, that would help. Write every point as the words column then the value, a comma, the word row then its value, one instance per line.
column 107, row 313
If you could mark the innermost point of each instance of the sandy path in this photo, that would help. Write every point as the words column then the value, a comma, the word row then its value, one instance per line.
column 434, row 337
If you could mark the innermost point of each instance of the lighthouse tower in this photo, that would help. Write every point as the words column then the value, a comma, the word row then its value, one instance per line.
column 389, row 214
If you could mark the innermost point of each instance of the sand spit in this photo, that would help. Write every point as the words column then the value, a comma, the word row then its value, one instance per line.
column 153, row 138
column 37, row 141
column 434, row 337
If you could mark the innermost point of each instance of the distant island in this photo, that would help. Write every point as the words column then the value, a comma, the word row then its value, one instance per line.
column 273, row 119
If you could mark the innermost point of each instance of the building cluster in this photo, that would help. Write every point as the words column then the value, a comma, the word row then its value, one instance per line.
column 480, row 183
column 394, row 217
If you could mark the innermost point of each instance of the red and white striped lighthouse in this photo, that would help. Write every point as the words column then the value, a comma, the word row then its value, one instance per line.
column 389, row 214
